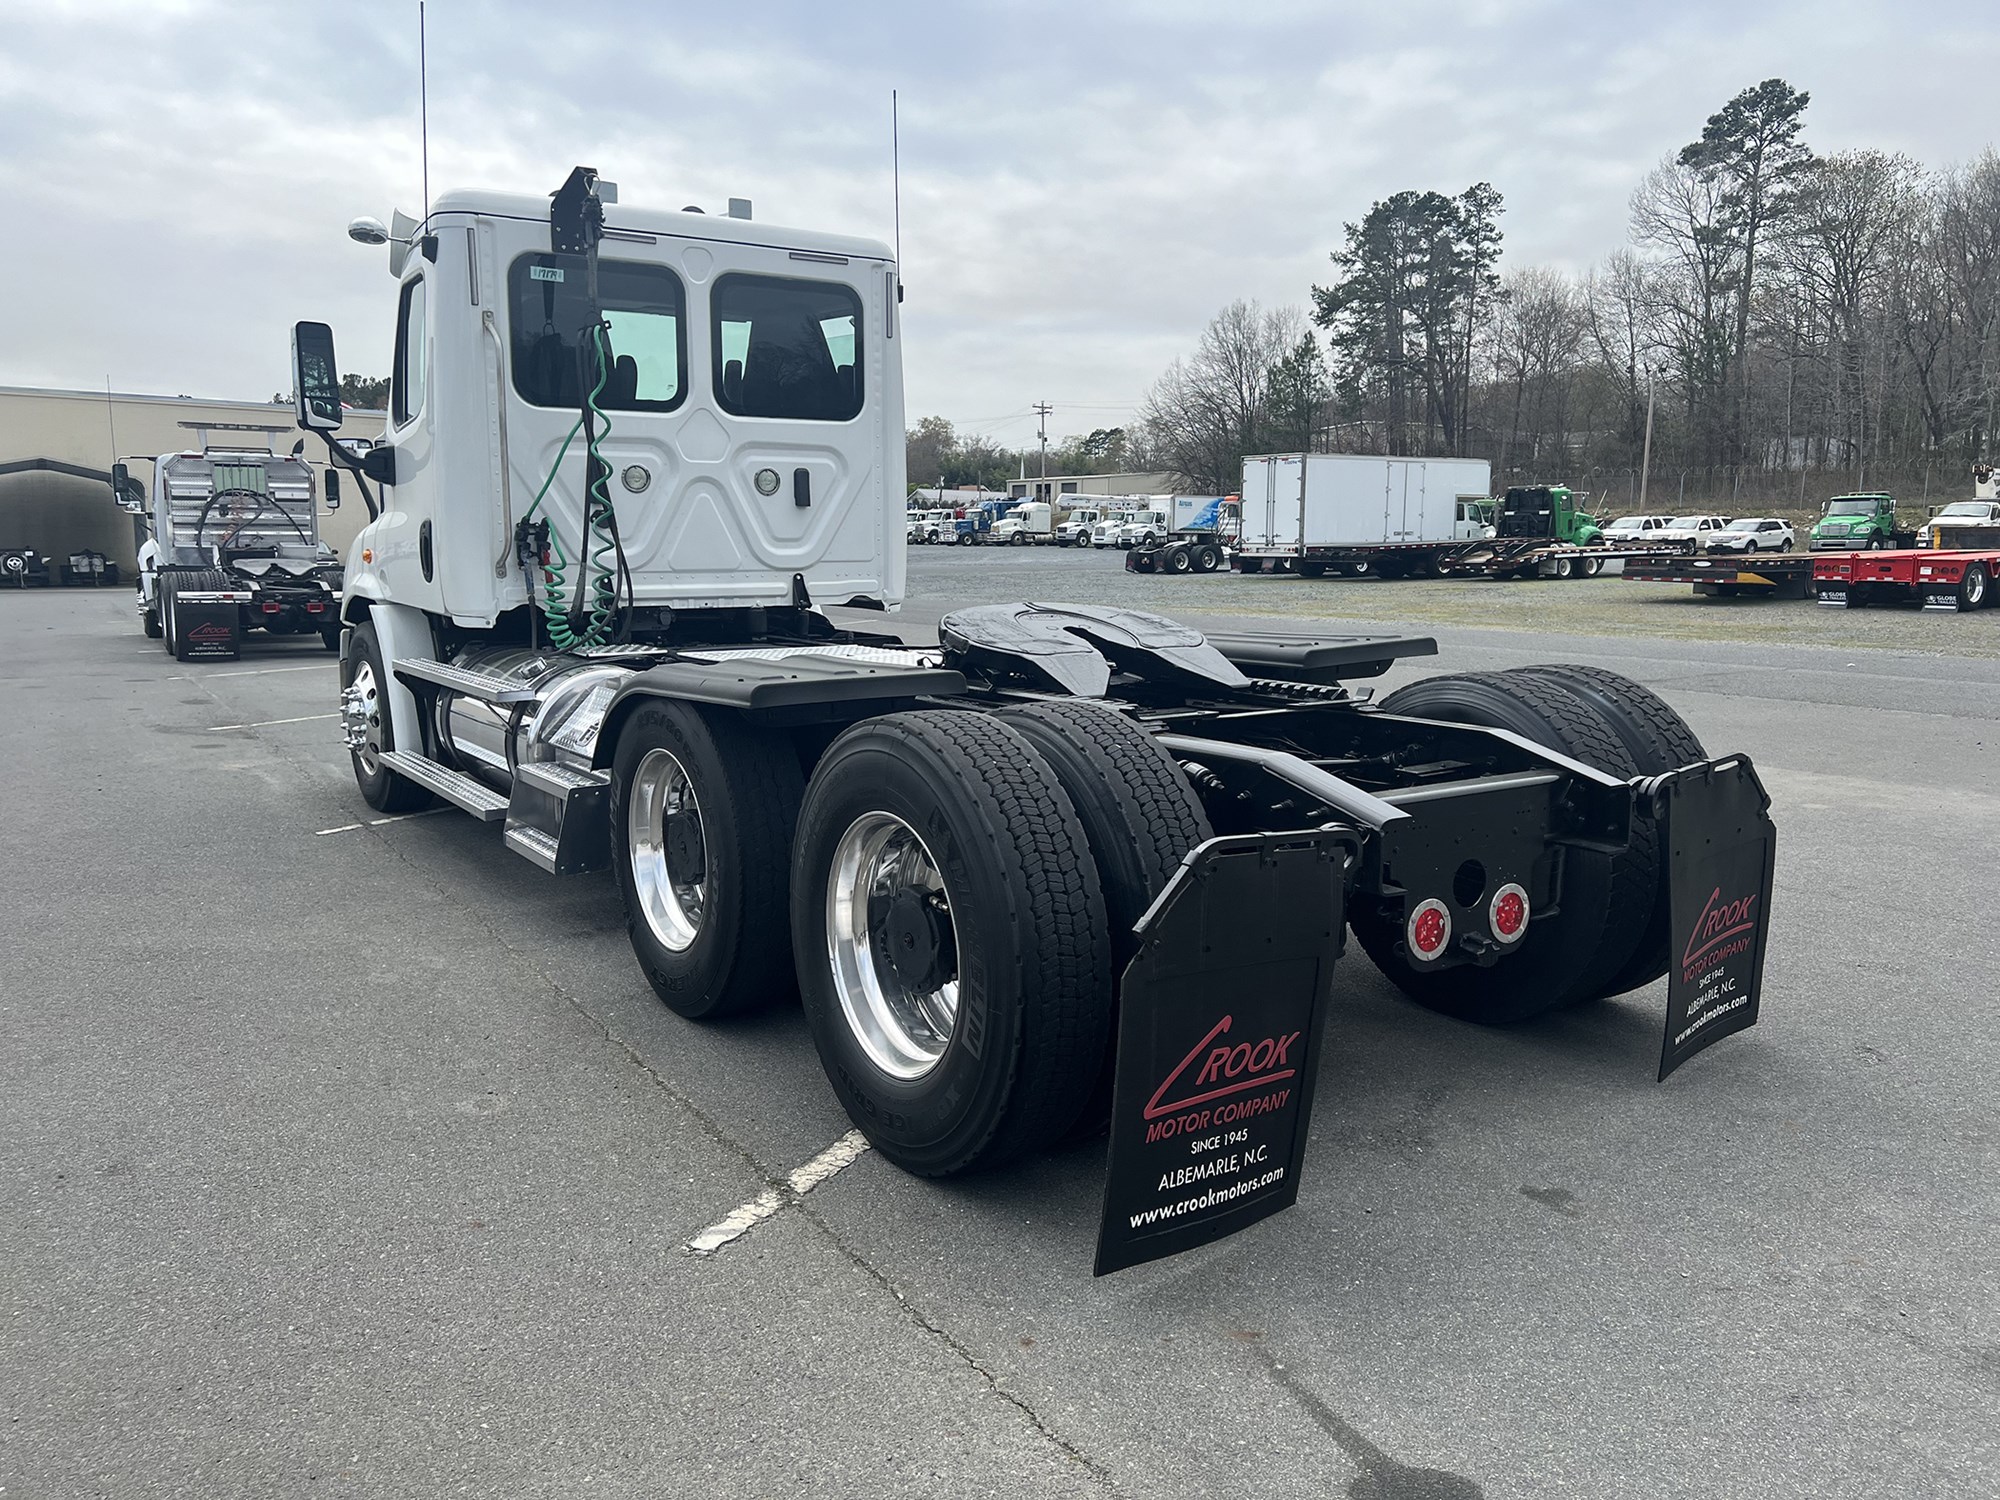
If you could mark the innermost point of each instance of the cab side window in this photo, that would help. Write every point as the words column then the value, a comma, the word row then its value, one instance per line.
column 406, row 397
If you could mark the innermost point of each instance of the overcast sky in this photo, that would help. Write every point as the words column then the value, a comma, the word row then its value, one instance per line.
column 1084, row 184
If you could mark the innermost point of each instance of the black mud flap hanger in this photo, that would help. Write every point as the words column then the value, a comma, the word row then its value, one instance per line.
column 1723, row 851
column 1220, row 1017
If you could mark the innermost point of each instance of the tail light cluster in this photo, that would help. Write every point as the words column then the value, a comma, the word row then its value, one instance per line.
column 1427, row 933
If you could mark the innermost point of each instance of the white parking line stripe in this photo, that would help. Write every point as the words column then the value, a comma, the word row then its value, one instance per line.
column 431, row 812
column 267, row 723
column 264, row 671
column 835, row 1158
column 733, row 1226
column 737, row 1224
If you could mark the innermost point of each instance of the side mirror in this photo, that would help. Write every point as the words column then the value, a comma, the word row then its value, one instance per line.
column 332, row 491
column 379, row 463
column 121, row 491
column 315, row 377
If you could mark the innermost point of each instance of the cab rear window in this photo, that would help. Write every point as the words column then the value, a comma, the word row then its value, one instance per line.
column 787, row 348
column 645, row 309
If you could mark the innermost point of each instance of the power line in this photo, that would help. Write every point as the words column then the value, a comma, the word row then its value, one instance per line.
column 1042, row 410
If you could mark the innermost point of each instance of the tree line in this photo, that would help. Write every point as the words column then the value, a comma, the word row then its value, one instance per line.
column 1796, row 323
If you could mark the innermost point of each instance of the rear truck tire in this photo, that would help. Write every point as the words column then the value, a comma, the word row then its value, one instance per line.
column 1974, row 588
column 1658, row 740
column 1592, row 566
column 1179, row 560
column 364, row 689
column 1207, row 557
column 330, row 637
column 149, row 621
column 1311, row 567
column 1140, row 817
column 702, row 813
column 1605, row 901
column 1250, row 565
column 953, row 949
column 1565, row 567
column 1361, row 567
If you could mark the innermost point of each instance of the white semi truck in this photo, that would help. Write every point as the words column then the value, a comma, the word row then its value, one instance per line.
column 233, row 546
column 632, row 455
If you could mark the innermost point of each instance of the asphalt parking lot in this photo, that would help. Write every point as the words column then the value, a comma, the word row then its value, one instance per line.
column 356, row 1157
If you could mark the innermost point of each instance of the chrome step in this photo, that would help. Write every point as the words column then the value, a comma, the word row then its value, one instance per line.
column 532, row 845
column 559, row 817
column 558, row 779
column 481, row 801
column 485, row 686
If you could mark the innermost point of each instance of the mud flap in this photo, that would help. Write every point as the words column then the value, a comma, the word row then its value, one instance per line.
column 1219, row 1028
column 1723, row 852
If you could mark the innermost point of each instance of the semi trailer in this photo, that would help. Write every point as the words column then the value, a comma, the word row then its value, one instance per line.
column 232, row 546
column 1062, row 864
column 1353, row 515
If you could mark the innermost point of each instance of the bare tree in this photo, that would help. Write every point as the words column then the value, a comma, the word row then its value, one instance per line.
column 1206, row 411
column 1539, row 339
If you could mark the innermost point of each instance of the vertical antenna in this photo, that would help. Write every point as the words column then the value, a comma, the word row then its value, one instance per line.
column 111, row 418
column 424, row 104
column 896, row 180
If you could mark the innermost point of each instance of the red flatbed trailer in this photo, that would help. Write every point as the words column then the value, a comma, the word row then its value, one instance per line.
column 1955, row 580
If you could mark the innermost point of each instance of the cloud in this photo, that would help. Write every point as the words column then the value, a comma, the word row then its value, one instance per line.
column 1083, row 185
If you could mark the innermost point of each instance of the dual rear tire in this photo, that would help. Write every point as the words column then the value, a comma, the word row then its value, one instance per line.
column 1608, row 933
column 951, row 895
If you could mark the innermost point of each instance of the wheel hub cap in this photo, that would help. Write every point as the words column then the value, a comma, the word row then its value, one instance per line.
column 892, row 945
column 668, row 851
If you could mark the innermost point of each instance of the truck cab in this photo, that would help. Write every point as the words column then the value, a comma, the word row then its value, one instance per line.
column 1074, row 529
column 1963, row 523
column 743, row 417
column 1144, row 527
column 1859, row 523
column 1550, row 511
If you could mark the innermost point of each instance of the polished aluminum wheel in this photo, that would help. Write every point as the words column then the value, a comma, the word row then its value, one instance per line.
column 893, row 948
column 361, row 715
column 669, row 855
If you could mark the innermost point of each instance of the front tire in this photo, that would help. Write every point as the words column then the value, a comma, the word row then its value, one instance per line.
column 702, row 814
column 952, row 946
column 365, row 703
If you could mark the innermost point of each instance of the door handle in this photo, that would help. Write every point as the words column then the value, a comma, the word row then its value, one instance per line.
column 802, row 487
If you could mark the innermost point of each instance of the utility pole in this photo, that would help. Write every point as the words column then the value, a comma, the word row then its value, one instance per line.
column 1042, row 410
column 1646, row 454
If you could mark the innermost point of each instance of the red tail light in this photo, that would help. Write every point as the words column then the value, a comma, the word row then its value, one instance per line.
column 1428, row 932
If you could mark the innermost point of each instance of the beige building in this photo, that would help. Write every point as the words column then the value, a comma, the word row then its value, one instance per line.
column 57, row 448
column 1056, row 486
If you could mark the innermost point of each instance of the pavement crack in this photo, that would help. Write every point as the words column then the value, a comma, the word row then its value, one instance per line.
column 946, row 1340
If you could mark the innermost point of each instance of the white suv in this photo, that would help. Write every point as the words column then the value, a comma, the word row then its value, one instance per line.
column 1689, row 532
column 1631, row 531
column 1751, row 534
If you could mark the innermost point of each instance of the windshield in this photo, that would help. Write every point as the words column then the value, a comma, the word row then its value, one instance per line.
column 1743, row 525
column 1967, row 508
column 1687, row 520
column 1853, row 505
column 1630, row 523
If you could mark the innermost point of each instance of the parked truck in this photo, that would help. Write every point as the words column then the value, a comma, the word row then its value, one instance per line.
column 1031, row 524
column 1075, row 527
column 1060, row 845
column 1355, row 515
column 232, row 546
column 1200, row 531
column 1860, row 523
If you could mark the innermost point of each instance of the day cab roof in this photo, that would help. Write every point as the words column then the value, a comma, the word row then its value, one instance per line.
column 715, row 228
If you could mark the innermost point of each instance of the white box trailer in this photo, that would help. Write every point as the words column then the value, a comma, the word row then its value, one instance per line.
column 1318, row 509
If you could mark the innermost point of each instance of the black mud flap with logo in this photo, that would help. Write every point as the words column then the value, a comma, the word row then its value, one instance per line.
column 1220, row 1016
column 206, row 630
column 1723, row 851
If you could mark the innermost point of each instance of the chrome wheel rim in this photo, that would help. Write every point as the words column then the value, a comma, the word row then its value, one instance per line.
column 668, row 851
column 365, row 706
column 892, row 945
